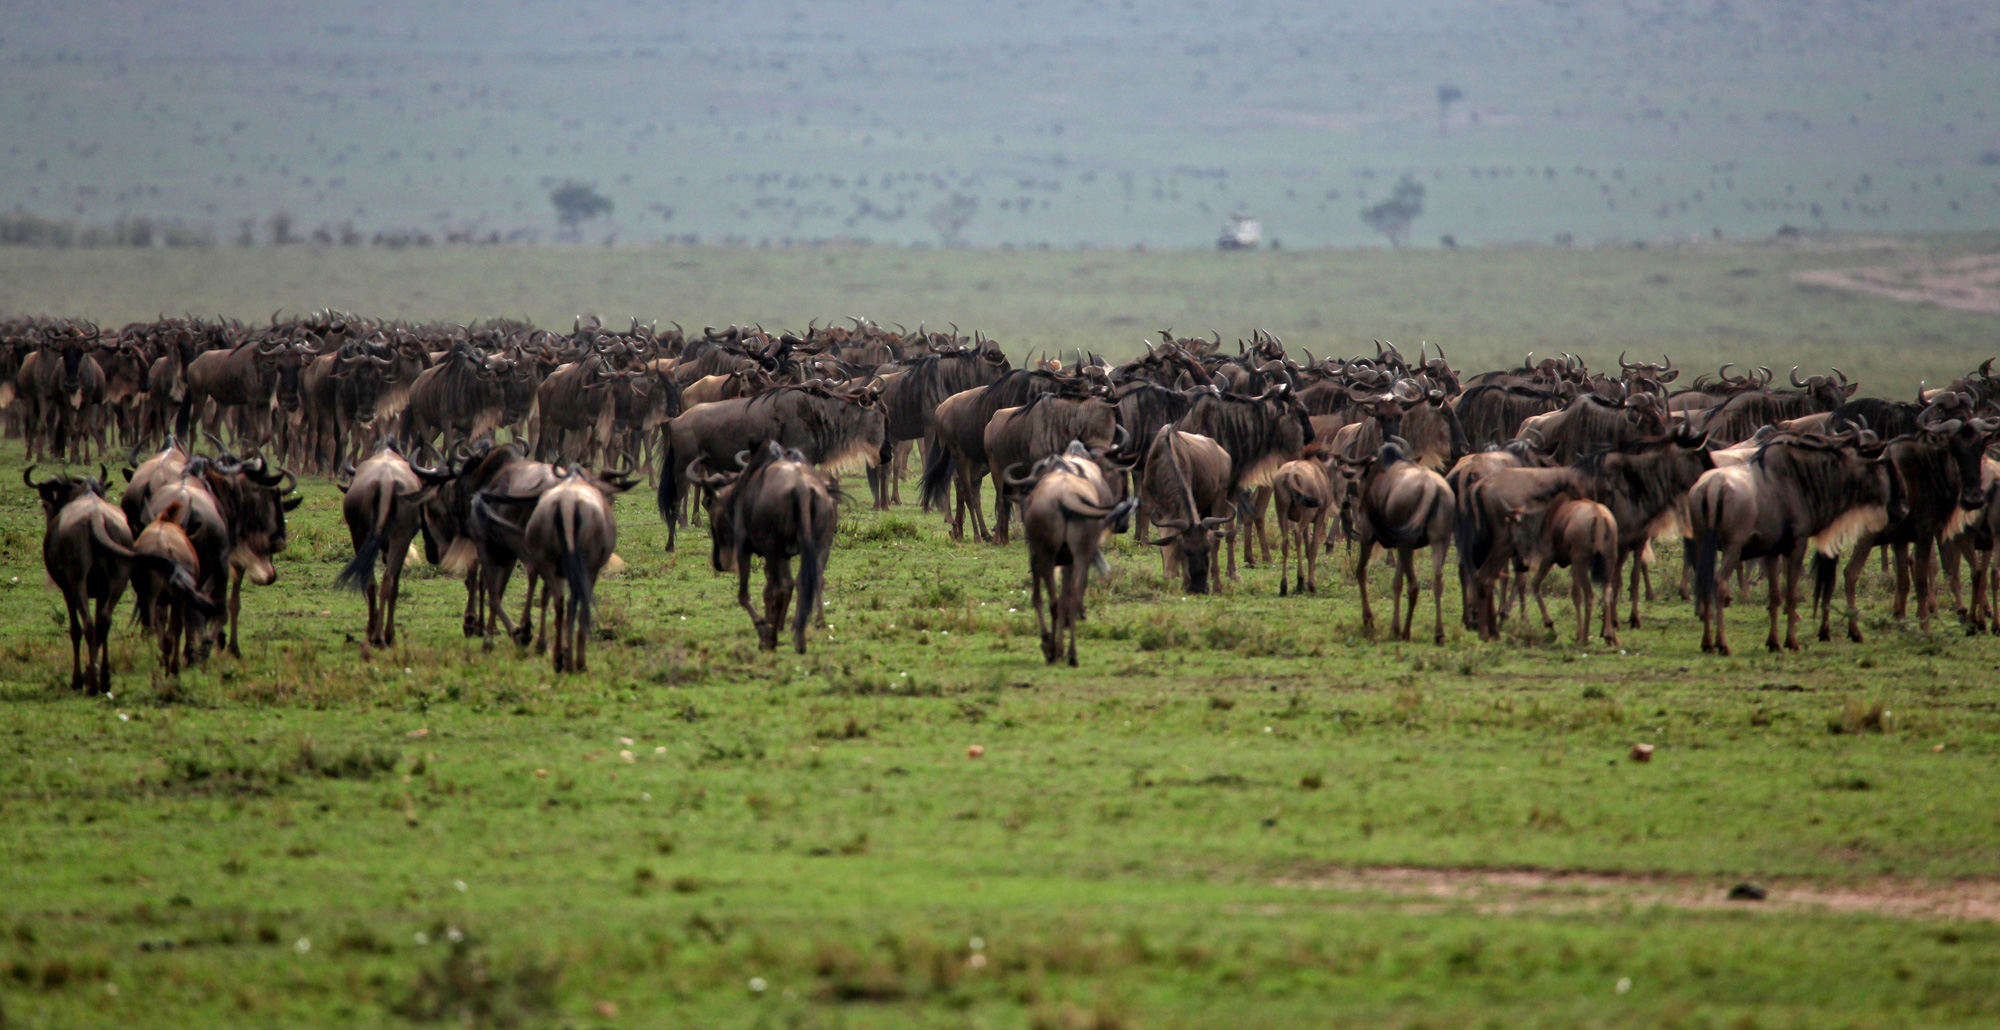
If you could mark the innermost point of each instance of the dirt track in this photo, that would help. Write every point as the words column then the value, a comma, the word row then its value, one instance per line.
column 1507, row 891
column 1966, row 284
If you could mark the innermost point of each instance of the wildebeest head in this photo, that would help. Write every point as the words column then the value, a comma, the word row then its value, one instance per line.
column 1829, row 391
column 1949, row 422
column 1192, row 537
column 284, row 359
column 255, row 501
column 60, row 489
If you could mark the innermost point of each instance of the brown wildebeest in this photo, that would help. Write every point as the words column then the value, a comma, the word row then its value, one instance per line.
column 776, row 507
column 1184, row 488
column 567, row 542
column 1403, row 506
column 837, row 428
column 88, row 554
column 1644, row 484
column 1070, row 506
column 383, row 507
column 1940, row 467
column 1260, row 433
column 165, row 466
column 1581, row 536
column 1043, row 428
column 955, row 444
column 1302, row 498
column 1470, row 470
column 1798, row 493
column 163, row 586
column 458, row 545
column 236, row 521
column 1500, row 525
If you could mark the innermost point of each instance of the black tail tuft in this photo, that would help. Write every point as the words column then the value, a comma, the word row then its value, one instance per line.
column 668, row 498
column 1705, row 553
column 1600, row 567
column 934, row 489
column 582, row 590
column 355, row 573
column 1823, row 570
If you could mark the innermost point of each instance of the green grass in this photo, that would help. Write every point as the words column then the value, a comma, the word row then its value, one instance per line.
column 1121, row 849
column 1132, row 847
column 1701, row 305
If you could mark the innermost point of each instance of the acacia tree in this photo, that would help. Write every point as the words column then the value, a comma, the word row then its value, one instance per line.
column 951, row 217
column 1392, row 217
column 577, row 202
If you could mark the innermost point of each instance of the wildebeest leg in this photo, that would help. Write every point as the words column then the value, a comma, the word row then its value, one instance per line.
column 559, row 650
column 1773, row 601
column 474, row 622
column 549, row 589
column 973, row 476
column 1976, row 616
column 235, row 607
column 1632, row 592
column 1853, row 577
column 1926, row 576
column 1542, row 568
column 1438, row 554
column 1948, row 553
column 1361, row 581
column 100, row 638
column 1260, row 504
column 370, row 591
column 1285, row 557
column 898, row 469
column 743, row 600
column 1076, row 576
column 1902, row 581
column 777, row 596
column 1794, row 564
column 392, row 590
column 173, row 628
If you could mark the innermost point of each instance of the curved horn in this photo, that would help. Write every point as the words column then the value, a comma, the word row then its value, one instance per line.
column 1010, row 479
column 1795, row 378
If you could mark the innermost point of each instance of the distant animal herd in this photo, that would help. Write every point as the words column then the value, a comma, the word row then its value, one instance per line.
column 502, row 445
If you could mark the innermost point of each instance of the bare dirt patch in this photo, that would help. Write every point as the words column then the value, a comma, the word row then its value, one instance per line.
column 1502, row 891
column 1966, row 284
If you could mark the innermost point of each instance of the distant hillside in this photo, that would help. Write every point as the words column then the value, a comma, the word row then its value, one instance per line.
column 1103, row 123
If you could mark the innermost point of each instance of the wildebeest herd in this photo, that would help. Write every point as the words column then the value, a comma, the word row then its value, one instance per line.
column 502, row 445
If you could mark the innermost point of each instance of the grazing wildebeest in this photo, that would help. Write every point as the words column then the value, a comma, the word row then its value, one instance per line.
column 1402, row 506
column 1070, row 505
column 1043, row 428
column 1940, row 465
column 384, row 509
column 569, row 539
column 164, row 587
column 776, row 507
column 836, row 428
column 1798, row 493
column 1184, row 488
column 1302, row 498
column 88, row 553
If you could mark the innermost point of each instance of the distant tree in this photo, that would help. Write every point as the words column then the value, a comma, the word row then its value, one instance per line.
column 1392, row 217
column 951, row 217
column 1448, row 95
column 577, row 202
column 281, row 229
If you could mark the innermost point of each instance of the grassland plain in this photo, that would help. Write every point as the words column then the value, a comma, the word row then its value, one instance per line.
column 1701, row 304
column 1156, row 838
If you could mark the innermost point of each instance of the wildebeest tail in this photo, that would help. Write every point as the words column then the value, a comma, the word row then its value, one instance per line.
column 184, row 590
column 934, row 489
column 355, row 573
column 1823, row 569
column 810, row 576
column 569, row 564
column 103, row 538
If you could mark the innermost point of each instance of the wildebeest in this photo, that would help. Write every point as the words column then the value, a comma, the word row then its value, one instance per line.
column 1402, row 506
column 236, row 522
column 776, row 507
column 1798, row 493
column 566, row 543
column 383, row 508
column 164, row 587
column 836, row 428
column 1644, row 483
column 1743, row 413
column 1582, row 536
column 88, row 553
column 1068, row 508
column 1940, row 467
column 459, row 545
column 1043, row 428
column 1259, row 433
column 914, row 391
column 1500, row 522
column 955, row 446
column 1184, row 488
column 1301, row 498
column 62, row 386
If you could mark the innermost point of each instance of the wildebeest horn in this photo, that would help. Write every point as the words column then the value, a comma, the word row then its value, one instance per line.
column 1986, row 368
column 1795, row 377
column 1010, row 479
column 28, row 472
column 1842, row 375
